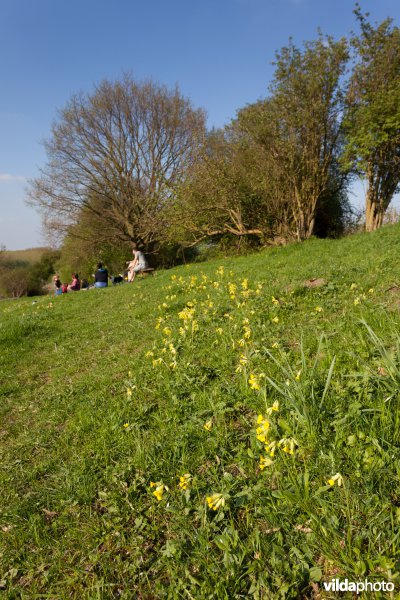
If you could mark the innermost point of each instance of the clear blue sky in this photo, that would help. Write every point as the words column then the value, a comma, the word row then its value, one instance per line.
column 218, row 51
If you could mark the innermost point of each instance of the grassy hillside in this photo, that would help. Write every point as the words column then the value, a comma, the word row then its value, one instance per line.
column 216, row 431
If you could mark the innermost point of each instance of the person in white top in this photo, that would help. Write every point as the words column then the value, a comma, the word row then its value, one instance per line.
column 136, row 265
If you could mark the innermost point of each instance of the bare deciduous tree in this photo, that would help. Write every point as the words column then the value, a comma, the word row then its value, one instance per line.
column 118, row 154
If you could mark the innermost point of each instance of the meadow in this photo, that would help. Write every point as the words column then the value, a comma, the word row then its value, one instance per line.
column 221, row 430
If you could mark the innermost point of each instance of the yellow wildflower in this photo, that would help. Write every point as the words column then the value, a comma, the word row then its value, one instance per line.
column 353, row 286
column 298, row 375
column 262, row 429
column 126, row 425
column 254, row 382
column 184, row 481
column 336, row 478
column 167, row 331
column 159, row 491
column 318, row 309
column 275, row 345
column 275, row 320
column 265, row 462
column 271, row 448
column 357, row 301
column 207, row 425
column 219, row 330
column 149, row 354
column 274, row 301
column 371, row 291
column 215, row 501
column 245, row 284
column 129, row 392
column 273, row 408
column 288, row 445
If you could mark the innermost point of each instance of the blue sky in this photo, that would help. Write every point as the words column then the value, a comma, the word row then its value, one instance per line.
column 219, row 52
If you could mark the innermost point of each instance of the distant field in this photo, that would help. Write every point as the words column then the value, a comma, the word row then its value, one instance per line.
column 29, row 256
column 223, row 430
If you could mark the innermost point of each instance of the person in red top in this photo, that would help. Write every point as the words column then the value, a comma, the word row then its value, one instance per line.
column 75, row 286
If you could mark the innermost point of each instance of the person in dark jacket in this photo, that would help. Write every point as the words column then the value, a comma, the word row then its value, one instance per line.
column 101, row 276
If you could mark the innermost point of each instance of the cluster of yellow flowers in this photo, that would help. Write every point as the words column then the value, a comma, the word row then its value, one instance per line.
column 216, row 501
column 263, row 434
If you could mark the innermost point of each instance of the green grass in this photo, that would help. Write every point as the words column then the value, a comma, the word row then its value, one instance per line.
column 106, row 391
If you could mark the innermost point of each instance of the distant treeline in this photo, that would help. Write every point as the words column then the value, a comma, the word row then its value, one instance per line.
column 133, row 161
column 25, row 273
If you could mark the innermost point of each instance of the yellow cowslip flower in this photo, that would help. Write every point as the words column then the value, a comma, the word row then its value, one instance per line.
column 357, row 301
column 247, row 332
column 275, row 320
column 228, row 316
column 220, row 270
column 262, row 429
column 245, row 321
column 129, row 392
column 149, row 354
column 298, row 375
column 288, row 445
column 126, row 425
column 159, row 491
column 318, row 309
column 232, row 289
column 167, row 331
column 172, row 349
column 271, row 448
column 215, row 501
column 265, row 462
column 353, row 286
column 273, row 408
column 241, row 343
column 371, row 291
column 254, row 382
column 173, row 364
column 275, row 345
column 219, row 330
column 243, row 360
column 173, row 277
column 207, row 425
column 157, row 361
column 181, row 331
column 164, row 305
column 245, row 284
column 275, row 301
column 195, row 326
column 184, row 481
column 336, row 478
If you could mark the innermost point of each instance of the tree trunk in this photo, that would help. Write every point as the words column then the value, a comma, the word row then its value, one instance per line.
column 374, row 213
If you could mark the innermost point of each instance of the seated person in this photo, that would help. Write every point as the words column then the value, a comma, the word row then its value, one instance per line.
column 84, row 284
column 136, row 265
column 64, row 288
column 101, row 276
column 75, row 286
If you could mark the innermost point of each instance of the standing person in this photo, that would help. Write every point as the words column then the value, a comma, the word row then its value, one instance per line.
column 136, row 265
column 57, row 285
column 101, row 276
column 75, row 286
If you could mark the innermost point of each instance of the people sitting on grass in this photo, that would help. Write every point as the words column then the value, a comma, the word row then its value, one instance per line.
column 64, row 288
column 101, row 276
column 137, row 265
column 75, row 286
